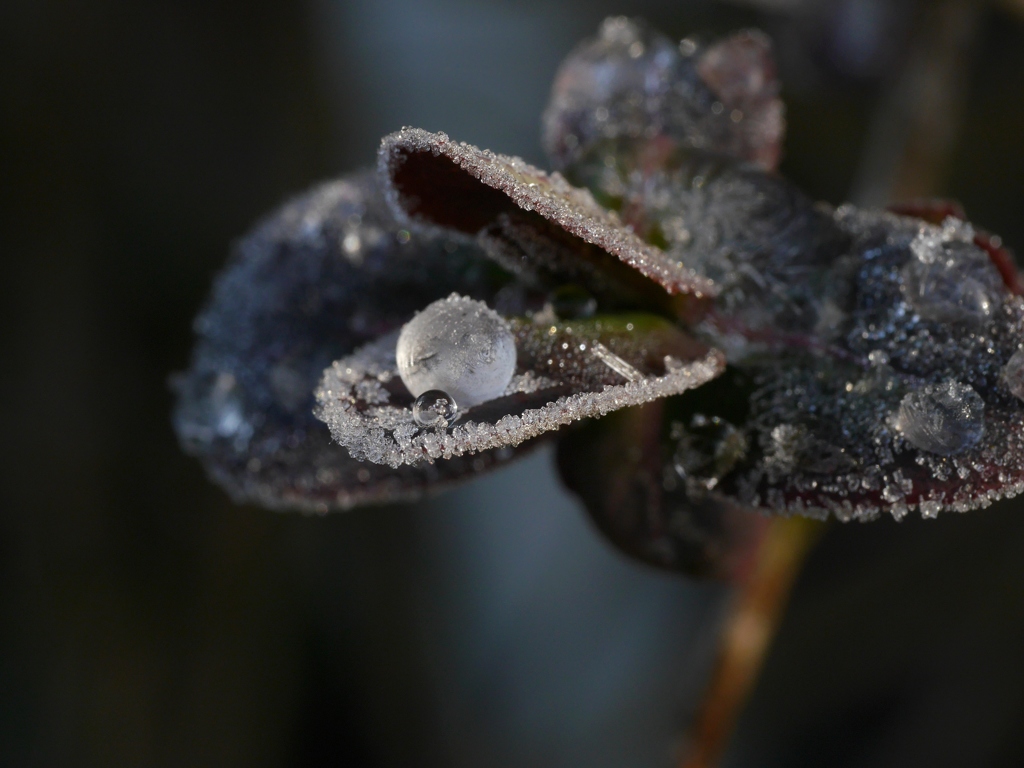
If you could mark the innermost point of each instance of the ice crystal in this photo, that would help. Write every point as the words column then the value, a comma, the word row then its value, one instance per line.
column 1013, row 374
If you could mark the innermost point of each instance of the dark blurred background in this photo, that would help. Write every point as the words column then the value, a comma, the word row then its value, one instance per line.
column 146, row 620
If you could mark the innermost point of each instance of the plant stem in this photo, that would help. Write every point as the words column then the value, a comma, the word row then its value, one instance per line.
column 750, row 625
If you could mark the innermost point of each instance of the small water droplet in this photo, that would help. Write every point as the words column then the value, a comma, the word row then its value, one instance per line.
column 570, row 302
column 707, row 450
column 434, row 408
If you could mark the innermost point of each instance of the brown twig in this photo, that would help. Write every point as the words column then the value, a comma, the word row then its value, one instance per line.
column 750, row 625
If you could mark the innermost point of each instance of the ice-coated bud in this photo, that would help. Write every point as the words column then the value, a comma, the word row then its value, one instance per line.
column 459, row 346
column 944, row 418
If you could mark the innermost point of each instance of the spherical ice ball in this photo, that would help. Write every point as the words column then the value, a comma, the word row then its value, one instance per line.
column 459, row 346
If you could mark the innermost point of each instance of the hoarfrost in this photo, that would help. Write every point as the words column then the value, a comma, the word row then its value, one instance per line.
column 776, row 258
column 842, row 327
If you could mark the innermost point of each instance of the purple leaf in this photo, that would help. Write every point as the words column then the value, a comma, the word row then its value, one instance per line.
column 328, row 272
column 623, row 467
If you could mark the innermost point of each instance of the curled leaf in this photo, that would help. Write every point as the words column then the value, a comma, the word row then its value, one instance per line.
column 564, row 372
column 532, row 220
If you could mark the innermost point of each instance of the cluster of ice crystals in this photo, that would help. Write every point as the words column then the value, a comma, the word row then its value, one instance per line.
column 459, row 346
column 950, row 279
column 942, row 418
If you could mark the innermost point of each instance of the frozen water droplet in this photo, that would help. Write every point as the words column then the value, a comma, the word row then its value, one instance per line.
column 434, row 408
column 942, row 418
column 459, row 346
column 1013, row 374
column 707, row 450
column 571, row 302
column 949, row 279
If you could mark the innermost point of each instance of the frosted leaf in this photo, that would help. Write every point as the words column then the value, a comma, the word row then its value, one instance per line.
column 625, row 469
column 950, row 279
column 942, row 418
column 939, row 212
column 459, row 346
column 326, row 273
column 866, row 421
column 531, row 221
column 634, row 84
column 776, row 258
column 369, row 410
